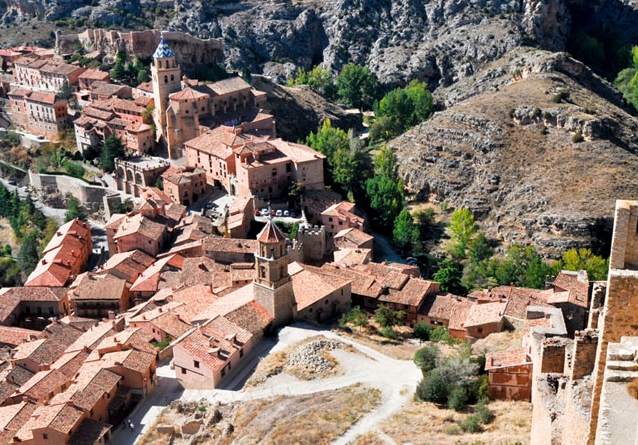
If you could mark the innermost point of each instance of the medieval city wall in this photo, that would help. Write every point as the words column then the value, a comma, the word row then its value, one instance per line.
column 189, row 50
column 89, row 195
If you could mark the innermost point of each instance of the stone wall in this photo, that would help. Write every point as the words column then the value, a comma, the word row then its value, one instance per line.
column 553, row 356
column 585, row 345
column 190, row 51
column 89, row 195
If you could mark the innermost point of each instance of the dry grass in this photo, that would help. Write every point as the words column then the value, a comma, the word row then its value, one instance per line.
column 368, row 439
column 500, row 341
column 7, row 237
column 400, row 349
column 421, row 422
column 312, row 419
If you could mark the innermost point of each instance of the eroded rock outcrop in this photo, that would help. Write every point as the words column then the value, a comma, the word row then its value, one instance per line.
column 504, row 149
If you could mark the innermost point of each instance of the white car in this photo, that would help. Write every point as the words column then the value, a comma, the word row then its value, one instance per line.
column 263, row 212
column 278, row 213
column 286, row 213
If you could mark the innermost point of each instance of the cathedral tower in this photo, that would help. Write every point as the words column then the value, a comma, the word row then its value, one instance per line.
column 272, row 285
column 166, row 80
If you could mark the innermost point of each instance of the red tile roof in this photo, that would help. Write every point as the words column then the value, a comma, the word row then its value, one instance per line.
column 271, row 234
column 506, row 359
column 485, row 313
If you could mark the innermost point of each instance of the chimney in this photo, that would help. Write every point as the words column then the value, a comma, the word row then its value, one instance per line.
column 44, row 261
column 159, row 309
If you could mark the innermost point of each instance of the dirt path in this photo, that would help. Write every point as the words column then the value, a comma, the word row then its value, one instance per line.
column 396, row 379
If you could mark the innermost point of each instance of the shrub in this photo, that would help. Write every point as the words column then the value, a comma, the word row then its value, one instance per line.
column 537, row 112
column 561, row 96
column 433, row 387
column 422, row 332
column 441, row 334
column 577, row 137
column 452, row 430
column 388, row 332
column 73, row 168
column 458, row 398
column 201, row 408
column 632, row 388
column 471, row 424
column 544, row 130
column 425, row 358
column 511, row 113
column 546, row 115
column 483, row 413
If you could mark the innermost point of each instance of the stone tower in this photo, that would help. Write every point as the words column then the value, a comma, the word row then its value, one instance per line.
column 166, row 80
column 272, row 285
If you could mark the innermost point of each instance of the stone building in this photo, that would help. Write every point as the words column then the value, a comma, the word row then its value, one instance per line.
column 45, row 74
column 38, row 112
column 184, row 185
column 134, row 174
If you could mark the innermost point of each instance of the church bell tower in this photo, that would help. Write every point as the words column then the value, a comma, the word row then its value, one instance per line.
column 166, row 80
column 272, row 285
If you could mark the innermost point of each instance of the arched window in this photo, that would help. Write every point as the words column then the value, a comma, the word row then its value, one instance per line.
column 172, row 77
column 165, row 79
column 262, row 271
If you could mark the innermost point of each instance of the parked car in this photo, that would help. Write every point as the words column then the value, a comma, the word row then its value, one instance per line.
column 12, row 181
column 286, row 213
column 209, row 205
column 263, row 212
column 257, row 213
column 272, row 212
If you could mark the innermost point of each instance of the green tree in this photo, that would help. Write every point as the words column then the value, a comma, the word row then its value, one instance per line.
column 143, row 76
column 318, row 79
column 449, row 275
column 29, row 254
column 583, row 259
column 112, row 149
column 434, row 387
column 461, row 230
column 355, row 316
column 357, row 86
column 75, row 210
column 386, row 317
column 386, row 198
column 479, row 249
column 68, row 93
column 422, row 332
column 405, row 233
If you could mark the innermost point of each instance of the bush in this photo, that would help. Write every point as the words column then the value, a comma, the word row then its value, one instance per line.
column 484, row 414
column 441, row 334
column 73, row 168
column 511, row 113
column 388, row 332
column 577, row 137
column 422, row 332
column 544, row 130
column 561, row 96
column 471, row 424
column 433, row 387
column 425, row 358
column 452, row 430
column 459, row 398
column 537, row 112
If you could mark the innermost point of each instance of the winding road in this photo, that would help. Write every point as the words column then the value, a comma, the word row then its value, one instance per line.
column 396, row 379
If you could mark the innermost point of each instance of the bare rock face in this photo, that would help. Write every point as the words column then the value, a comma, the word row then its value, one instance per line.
column 438, row 41
column 504, row 150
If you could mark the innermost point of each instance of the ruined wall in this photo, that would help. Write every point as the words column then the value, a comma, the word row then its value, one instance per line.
column 190, row 51
column 585, row 347
column 619, row 317
column 553, row 356
column 90, row 195
column 577, row 399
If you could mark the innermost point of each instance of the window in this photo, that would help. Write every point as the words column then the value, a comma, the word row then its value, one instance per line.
column 196, row 363
column 274, row 172
column 165, row 79
column 45, row 436
column 183, row 370
column 288, row 167
column 223, row 372
column 172, row 77
column 241, row 353
column 480, row 330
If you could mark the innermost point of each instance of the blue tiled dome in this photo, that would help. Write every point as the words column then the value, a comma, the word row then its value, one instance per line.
column 163, row 51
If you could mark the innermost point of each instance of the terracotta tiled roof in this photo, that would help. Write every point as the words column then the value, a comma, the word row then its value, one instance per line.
column 344, row 210
column 230, row 245
column 485, row 313
column 506, row 359
column 92, row 337
column 127, row 265
column 12, row 418
column 311, row 286
column 353, row 236
column 219, row 141
column 43, row 97
column 196, row 300
column 14, row 336
column 91, row 74
column 226, row 304
column 188, row 94
column 576, row 284
column 99, row 287
column 89, row 432
column 251, row 316
column 213, row 343
column 60, row 418
column 149, row 279
column 271, row 234
column 171, row 324
column 43, row 351
column 230, row 85
column 18, row 376
column 42, row 384
column 459, row 314
column 138, row 224
column 62, row 333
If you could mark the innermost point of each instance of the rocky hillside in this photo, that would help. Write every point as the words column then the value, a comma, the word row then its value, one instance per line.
column 506, row 149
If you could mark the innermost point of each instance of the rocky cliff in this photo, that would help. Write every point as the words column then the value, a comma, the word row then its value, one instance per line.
column 505, row 148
